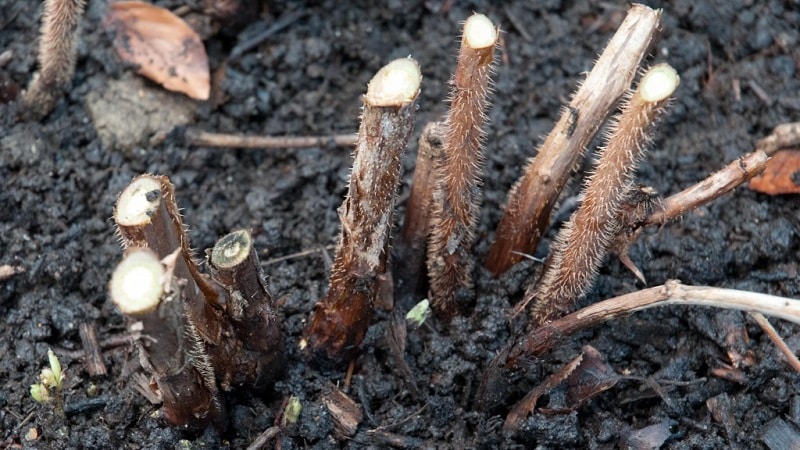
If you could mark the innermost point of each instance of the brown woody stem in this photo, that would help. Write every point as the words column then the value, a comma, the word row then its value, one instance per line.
column 532, row 198
column 340, row 320
column 671, row 293
column 208, row 139
column 581, row 245
column 234, row 265
column 456, row 197
column 410, row 248
column 137, row 288
column 713, row 187
column 57, row 52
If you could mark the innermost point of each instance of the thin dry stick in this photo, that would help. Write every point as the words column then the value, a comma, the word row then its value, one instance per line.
column 340, row 320
column 532, row 198
column 57, row 52
column 783, row 136
column 713, row 187
column 410, row 247
column 201, row 138
column 670, row 293
column 776, row 339
column 456, row 197
column 581, row 245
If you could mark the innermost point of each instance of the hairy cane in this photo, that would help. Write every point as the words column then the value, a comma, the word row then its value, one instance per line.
column 583, row 242
column 235, row 266
column 456, row 197
column 340, row 320
column 144, row 290
column 532, row 198
column 57, row 52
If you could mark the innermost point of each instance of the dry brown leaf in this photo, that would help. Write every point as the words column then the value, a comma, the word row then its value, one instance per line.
column 162, row 45
column 782, row 175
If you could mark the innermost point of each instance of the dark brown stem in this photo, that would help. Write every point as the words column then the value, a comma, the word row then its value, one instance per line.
column 234, row 265
column 532, row 198
column 456, row 198
column 581, row 245
column 57, row 51
column 410, row 248
column 340, row 320
column 206, row 139
column 186, row 386
column 147, row 215
column 92, row 356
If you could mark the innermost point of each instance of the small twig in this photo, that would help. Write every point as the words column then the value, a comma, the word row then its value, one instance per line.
column 93, row 360
column 264, row 438
column 302, row 254
column 776, row 339
column 279, row 25
column 713, row 187
column 783, row 136
column 221, row 140
column 671, row 293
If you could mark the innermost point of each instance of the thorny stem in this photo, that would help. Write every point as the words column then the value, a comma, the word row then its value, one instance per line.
column 581, row 245
column 532, row 198
column 456, row 197
column 143, row 289
column 411, row 246
column 57, row 52
column 147, row 215
column 340, row 320
column 670, row 293
column 234, row 265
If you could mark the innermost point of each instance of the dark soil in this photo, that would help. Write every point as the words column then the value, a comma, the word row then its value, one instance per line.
column 738, row 63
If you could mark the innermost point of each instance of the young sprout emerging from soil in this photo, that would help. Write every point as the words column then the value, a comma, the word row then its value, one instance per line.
column 341, row 319
column 181, row 377
column 57, row 51
column 583, row 242
column 50, row 379
column 532, row 198
column 456, row 197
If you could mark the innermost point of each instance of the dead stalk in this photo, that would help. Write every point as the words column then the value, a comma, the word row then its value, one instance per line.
column 532, row 198
column 581, row 245
column 713, row 187
column 672, row 292
column 57, row 53
column 411, row 245
column 340, row 320
column 206, row 139
column 456, row 196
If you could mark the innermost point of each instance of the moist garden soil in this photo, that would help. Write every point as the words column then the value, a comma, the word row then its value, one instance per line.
column 738, row 63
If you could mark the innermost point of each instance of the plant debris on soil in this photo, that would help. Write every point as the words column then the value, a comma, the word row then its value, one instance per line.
column 673, row 377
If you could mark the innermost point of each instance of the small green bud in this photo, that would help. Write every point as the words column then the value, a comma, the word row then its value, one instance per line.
column 419, row 313
column 292, row 410
column 47, row 378
column 39, row 393
column 55, row 367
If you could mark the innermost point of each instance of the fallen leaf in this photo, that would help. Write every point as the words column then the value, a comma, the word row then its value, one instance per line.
column 162, row 45
column 781, row 176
